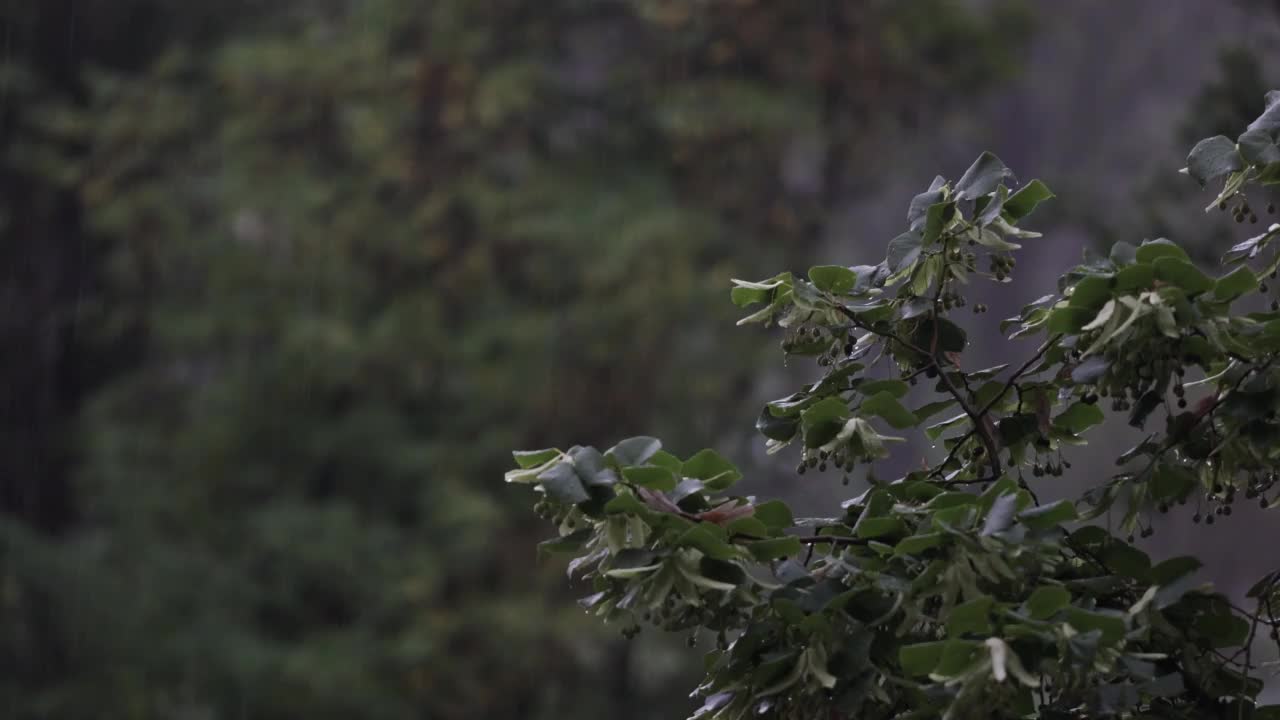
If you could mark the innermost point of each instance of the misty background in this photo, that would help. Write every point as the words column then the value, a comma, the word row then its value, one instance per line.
column 284, row 284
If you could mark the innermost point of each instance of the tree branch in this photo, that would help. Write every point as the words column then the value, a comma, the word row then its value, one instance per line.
column 833, row 539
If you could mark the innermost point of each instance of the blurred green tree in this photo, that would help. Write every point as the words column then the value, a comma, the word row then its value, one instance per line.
column 339, row 257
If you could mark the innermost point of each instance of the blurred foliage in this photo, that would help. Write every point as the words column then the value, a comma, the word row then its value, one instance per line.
column 294, row 277
column 1230, row 100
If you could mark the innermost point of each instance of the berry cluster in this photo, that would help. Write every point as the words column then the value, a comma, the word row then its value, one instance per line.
column 1135, row 369
column 1241, row 210
column 839, row 460
column 1002, row 266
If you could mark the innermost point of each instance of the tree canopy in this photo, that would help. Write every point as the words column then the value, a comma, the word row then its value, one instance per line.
column 954, row 591
column 289, row 277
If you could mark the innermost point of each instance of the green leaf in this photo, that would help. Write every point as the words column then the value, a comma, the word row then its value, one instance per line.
column 986, row 238
column 775, row 427
column 774, row 548
column 1112, row 626
column 885, row 405
column 896, row 388
column 833, row 278
column 1091, row 368
column 986, row 173
column 1236, row 283
column 662, row 458
column 1123, row 253
column 904, row 250
column 533, row 458
column 744, row 297
column 715, row 472
column 951, row 338
column 823, row 420
column 920, row 204
column 775, row 514
column 877, row 527
column 1018, row 428
column 748, row 525
column 925, row 412
column 746, row 293
column 626, row 503
column 1068, row 319
column 1079, row 417
column 1171, row 482
column 807, row 297
column 591, row 467
column 936, row 220
column 1135, row 277
column 1150, row 250
column 936, row 430
column 632, row 558
column 1127, row 560
column 1000, row 516
column 571, row 543
column 1222, row 627
column 971, row 617
column 1269, row 120
column 1021, row 203
column 957, row 657
column 921, row 658
column 925, row 273
column 988, row 208
column 1043, row 517
column 1046, row 600
column 634, row 451
column 916, row 544
column 1212, row 158
column 1174, row 568
column 1258, row 148
column 562, row 484
column 1091, row 292
column 721, row 571
column 1183, row 274
column 651, row 476
column 706, row 540
column 951, row 499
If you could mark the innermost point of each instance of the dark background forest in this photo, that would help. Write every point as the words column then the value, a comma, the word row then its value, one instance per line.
column 282, row 284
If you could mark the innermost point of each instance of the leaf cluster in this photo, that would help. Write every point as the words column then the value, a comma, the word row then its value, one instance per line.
column 952, row 591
